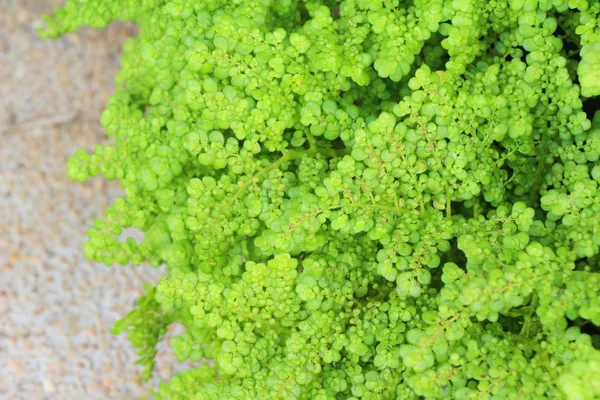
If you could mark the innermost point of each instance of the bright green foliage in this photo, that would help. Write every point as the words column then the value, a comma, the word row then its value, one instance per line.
column 376, row 199
column 145, row 326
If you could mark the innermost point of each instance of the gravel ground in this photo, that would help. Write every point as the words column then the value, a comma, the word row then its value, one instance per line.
column 55, row 307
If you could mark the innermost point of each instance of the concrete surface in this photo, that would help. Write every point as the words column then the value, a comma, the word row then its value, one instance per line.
column 56, row 308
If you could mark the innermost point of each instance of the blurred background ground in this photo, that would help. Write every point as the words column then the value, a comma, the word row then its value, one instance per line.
column 56, row 308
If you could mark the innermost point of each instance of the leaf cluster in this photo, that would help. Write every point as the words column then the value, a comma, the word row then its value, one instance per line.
column 379, row 199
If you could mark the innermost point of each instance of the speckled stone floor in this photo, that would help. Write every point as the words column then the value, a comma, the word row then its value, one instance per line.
column 56, row 308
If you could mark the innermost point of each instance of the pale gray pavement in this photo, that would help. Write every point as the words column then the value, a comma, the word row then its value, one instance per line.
column 56, row 308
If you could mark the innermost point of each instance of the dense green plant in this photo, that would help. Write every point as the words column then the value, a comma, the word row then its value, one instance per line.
column 379, row 199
